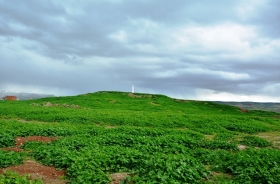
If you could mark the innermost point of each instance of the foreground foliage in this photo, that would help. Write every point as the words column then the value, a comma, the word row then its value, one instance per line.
column 154, row 138
column 8, row 158
column 10, row 177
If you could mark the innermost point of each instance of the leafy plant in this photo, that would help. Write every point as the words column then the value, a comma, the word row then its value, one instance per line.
column 10, row 177
column 255, row 141
column 8, row 158
column 6, row 140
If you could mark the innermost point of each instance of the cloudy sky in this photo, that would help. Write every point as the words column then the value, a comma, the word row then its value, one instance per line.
column 190, row 49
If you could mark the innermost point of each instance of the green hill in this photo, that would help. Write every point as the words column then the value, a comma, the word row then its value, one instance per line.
column 155, row 138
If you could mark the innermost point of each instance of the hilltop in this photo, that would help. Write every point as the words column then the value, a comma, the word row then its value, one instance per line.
column 142, row 102
column 122, row 108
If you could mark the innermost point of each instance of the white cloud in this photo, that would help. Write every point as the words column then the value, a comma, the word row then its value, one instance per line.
column 210, row 95
column 233, row 75
column 249, row 8
column 120, row 35
column 229, row 37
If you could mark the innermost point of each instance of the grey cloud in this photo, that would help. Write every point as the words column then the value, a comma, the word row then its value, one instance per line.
column 64, row 31
column 268, row 19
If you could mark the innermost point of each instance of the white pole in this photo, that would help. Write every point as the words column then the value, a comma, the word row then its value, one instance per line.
column 132, row 88
column 1, row 94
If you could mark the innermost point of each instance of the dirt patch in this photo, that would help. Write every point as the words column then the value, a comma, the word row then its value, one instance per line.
column 277, row 116
column 110, row 127
column 273, row 137
column 216, row 177
column 243, row 110
column 16, row 149
column 152, row 103
column 21, row 140
column 49, row 104
column 112, row 101
column 241, row 147
column 134, row 96
column 31, row 121
column 148, row 96
column 118, row 177
column 227, row 175
column 38, row 171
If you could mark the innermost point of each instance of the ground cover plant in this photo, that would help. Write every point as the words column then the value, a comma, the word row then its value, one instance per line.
column 14, row 178
column 154, row 138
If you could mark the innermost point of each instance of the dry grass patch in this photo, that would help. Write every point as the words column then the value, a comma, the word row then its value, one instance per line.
column 210, row 137
column 273, row 137
column 153, row 103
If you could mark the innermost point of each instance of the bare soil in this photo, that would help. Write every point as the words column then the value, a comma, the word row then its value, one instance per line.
column 34, row 169
column 48, row 175
column 134, row 96
column 243, row 110
column 118, row 177
column 38, row 171
column 22, row 140
column 241, row 147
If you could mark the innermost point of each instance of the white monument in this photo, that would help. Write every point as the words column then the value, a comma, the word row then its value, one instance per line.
column 132, row 88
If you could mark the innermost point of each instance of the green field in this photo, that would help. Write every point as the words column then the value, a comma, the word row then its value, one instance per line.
column 155, row 138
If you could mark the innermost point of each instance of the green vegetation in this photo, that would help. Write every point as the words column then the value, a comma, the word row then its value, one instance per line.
column 255, row 141
column 10, row 158
column 153, row 137
column 14, row 178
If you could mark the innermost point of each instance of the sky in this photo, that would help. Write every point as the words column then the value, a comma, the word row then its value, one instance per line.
column 189, row 49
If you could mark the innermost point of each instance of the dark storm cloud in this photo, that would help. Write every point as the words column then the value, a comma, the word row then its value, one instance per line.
column 82, row 28
column 177, row 48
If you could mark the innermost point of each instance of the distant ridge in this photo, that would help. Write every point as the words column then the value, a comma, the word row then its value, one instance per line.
column 26, row 96
column 264, row 106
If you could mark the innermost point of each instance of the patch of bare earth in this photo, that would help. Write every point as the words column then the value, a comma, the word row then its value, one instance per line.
column 243, row 110
column 38, row 171
column 134, row 96
column 118, row 177
column 30, row 167
column 153, row 103
column 273, row 137
column 107, row 126
column 21, row 140
column 241, row 147
column 216, row 176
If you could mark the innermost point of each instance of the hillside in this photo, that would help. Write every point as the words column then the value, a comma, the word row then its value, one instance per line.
column 265, row 106
column 145, row 138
